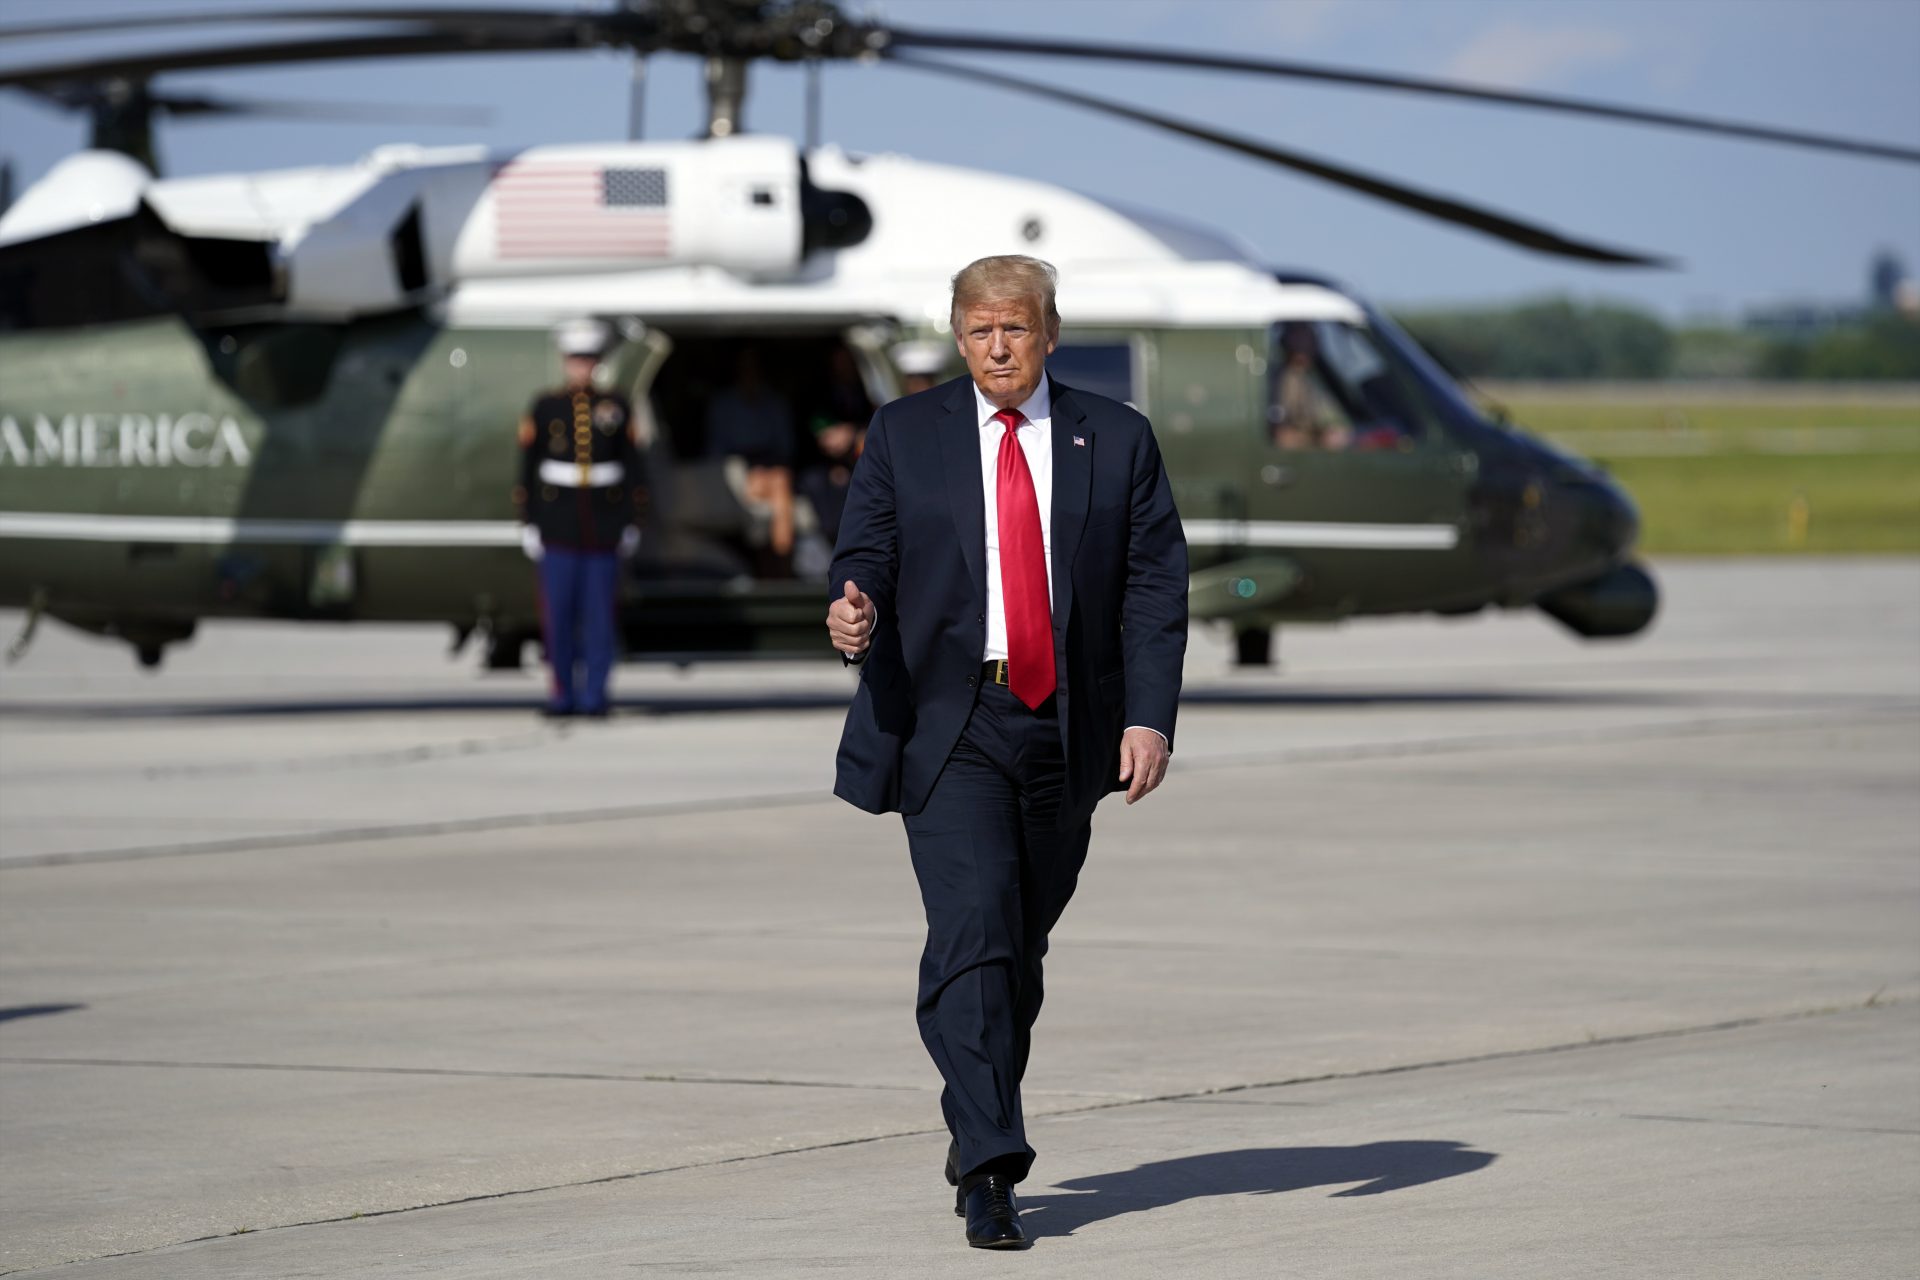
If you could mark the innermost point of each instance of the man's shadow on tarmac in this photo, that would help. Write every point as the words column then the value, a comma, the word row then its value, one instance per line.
column 1375, row 1166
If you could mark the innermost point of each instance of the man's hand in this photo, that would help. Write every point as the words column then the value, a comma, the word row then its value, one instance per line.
column 850, row 621
column 629, row 542
column 1143, row 761
column 530, row 542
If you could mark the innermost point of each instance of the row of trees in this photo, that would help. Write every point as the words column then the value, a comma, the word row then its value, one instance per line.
column 1558, row 338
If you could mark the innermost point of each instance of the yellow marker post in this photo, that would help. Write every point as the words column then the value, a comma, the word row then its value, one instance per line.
column 1799, row 513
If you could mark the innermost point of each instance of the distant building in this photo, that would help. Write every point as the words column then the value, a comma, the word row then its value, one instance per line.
column 1884, row 278
column 1890, row 287
column 1801, row 321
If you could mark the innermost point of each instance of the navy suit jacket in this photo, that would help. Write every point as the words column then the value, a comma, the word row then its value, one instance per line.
column 913, row 537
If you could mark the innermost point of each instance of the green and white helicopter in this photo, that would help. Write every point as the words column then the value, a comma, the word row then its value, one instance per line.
column 293, row 394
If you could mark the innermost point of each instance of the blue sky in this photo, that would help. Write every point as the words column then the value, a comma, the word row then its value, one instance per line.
column 1751, row 224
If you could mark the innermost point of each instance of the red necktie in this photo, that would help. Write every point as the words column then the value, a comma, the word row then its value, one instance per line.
column 1023, row 571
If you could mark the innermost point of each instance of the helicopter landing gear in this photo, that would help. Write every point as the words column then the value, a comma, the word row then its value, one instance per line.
column 36, row 609
column 1253, row 647
column 504, row 651
column 150, row 638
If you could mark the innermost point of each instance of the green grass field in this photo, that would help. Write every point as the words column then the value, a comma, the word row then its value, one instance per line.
column 1747, row 473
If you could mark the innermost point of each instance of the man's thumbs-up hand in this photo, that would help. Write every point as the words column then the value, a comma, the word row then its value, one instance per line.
column 850, row 621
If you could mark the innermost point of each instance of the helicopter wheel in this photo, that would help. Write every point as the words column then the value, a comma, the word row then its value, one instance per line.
column 1253, row 648
column 504, row 652
column 150, row 654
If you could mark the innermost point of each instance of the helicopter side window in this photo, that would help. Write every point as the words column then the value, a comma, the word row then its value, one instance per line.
column 1106, row 369
column 1335, row 387
column 1303, row 410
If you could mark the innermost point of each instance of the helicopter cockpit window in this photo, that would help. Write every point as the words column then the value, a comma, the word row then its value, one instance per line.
column 1106, row 369
column 1335, row 387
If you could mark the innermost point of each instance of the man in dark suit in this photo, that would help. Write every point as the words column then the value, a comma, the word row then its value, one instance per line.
column 1012, row 577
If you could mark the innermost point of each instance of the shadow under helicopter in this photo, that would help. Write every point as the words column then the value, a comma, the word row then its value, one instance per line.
column 1374, row 1168
column 777, row 700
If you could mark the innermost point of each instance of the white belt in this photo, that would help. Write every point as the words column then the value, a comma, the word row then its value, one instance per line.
column 572, row 475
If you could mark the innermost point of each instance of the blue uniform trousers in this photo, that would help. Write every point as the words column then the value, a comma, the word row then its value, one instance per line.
column 995, row 872
column 579, row 614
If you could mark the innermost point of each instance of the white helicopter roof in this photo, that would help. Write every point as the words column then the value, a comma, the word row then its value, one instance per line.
column 85, row 188
column 928, row 221
column 332, row 226
column 264, row 205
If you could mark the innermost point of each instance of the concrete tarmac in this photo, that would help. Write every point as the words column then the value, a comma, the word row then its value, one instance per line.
column 1449, row 949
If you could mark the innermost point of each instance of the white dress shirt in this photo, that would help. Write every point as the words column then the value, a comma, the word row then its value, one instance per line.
column 1036, row 441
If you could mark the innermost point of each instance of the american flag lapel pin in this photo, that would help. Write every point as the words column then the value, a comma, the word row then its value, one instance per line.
column 1081, row 441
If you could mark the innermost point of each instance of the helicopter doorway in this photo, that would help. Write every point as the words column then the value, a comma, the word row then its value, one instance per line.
column 754, row 440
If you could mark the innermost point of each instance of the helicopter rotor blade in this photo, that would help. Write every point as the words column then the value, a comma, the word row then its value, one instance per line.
column 399, row 44
column 1486, row 221
column 703, row 28
column 966, row 42
column 193, row 104
column 415, row 15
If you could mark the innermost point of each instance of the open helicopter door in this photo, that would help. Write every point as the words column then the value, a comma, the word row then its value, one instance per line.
column 631, row 368
column 870, row 344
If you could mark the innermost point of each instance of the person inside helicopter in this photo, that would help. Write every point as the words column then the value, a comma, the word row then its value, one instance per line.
column 839, row 429
column 920, row 365
column 1334, row 390
column 824, row 481
column 749, row 421
column 733, row 412
column 1301, row 413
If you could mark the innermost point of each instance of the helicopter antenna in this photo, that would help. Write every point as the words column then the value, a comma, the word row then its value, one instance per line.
column 813, row 104
column 726, row 96
column 636, row 79
column 637, row 98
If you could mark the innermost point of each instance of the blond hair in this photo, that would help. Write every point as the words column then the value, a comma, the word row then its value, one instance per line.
column 1003, row 278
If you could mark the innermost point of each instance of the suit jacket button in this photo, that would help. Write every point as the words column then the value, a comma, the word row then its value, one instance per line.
column 970, row 682
column 980, row 618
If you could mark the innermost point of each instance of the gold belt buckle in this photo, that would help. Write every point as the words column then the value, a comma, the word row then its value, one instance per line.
column 999, row 670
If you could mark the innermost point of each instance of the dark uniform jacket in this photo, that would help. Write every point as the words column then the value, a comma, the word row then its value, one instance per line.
column 914, row 539
column 582, row 480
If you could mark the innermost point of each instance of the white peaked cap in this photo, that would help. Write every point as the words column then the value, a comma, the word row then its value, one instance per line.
column 581, row 337
column 923, row 358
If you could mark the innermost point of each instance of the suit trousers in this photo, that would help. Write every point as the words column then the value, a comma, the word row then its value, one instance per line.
column 579, row 609
column 996, row 870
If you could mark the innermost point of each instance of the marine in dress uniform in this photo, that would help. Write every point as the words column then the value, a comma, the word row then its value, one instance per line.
column 581, row 496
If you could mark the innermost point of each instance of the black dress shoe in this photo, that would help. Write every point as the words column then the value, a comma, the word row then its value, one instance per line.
column 993, row 1219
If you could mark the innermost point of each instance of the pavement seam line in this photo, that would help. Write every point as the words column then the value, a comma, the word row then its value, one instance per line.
column 419, row 753
column 454, row 1073
column 1462, row 744
column 405, row 830
column 1735, row 1121
column 1873, row 1002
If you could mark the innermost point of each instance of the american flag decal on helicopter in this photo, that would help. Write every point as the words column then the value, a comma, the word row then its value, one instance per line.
column 577, row 209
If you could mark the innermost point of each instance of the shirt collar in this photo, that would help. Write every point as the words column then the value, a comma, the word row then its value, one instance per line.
column 1037, row 407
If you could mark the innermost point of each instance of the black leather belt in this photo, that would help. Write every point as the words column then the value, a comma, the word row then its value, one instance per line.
column 994, row 672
